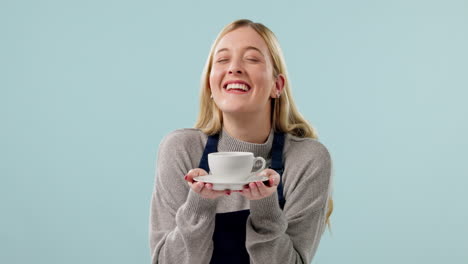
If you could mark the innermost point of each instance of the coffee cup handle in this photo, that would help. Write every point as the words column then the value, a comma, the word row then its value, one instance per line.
column 263, row 164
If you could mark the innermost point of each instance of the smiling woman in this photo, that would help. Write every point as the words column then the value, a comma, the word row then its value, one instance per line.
column 245, row 106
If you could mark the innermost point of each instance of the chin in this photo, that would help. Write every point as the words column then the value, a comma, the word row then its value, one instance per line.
column 231, row 108
column 239, row 108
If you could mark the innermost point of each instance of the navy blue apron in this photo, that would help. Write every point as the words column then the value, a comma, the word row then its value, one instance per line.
column 229, row 234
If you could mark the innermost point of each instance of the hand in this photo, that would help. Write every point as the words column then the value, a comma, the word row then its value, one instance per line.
column 203, row 189
column 258, row 190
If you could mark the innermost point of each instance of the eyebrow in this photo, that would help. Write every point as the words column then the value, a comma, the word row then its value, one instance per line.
column 246, row 48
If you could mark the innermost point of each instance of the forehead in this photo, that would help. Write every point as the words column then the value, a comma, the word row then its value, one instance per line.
column 241, row 38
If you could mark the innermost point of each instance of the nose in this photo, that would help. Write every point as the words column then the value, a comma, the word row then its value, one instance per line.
column 236, row 71
column 235, row 68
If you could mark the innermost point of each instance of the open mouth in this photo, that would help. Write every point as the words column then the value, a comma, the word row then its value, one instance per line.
column 237, row 87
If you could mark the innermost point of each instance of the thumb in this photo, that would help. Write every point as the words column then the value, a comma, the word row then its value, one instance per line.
column 273, row 177
column 194, row 173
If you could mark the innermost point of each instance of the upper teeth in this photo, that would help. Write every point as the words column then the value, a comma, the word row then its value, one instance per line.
column 237, row 86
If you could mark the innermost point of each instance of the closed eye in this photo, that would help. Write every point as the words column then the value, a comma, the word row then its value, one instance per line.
column 253, row 59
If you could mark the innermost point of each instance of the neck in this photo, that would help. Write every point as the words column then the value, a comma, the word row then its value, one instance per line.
column 248, row 127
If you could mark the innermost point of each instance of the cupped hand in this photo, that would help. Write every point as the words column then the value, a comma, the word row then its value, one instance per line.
column 258, row 190
column 203, row 189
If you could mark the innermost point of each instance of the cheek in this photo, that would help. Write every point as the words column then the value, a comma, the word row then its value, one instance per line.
column 263, row 76
column 215, row 77
column 267, row 82
column 211, row 80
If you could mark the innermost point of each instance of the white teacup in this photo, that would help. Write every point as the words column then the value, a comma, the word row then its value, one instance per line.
column 234, row 165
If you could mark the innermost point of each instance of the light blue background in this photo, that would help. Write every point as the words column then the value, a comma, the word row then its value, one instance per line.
column 89, row 88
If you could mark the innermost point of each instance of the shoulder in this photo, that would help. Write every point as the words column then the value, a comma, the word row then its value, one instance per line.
column 306, row 148
column 183, row 138
column 307, row 164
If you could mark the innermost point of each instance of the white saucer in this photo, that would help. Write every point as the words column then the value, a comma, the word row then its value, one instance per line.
column 233, row 185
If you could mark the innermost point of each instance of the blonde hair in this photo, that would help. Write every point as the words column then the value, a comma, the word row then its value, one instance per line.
column 285, row 116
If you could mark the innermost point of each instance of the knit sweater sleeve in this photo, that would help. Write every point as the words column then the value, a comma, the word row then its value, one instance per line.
column 292, row 235
column 181, row 221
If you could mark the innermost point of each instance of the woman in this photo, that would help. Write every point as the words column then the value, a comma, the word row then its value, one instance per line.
column 246, row 105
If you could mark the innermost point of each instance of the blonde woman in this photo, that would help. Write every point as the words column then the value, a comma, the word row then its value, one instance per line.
column 246, row 105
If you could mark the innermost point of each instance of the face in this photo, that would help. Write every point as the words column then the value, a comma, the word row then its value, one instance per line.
column 241, row 78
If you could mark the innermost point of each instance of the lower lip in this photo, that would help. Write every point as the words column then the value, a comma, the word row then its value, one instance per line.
column 236, row 91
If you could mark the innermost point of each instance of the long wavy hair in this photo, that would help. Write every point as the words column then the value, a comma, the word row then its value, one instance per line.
column 285, row 115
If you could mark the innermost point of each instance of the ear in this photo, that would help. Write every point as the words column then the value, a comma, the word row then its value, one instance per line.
column 278, row 87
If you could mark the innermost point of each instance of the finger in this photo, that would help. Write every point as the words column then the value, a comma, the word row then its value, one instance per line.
column 208, row 191
column 274, row 180
column 194, row 173
column 261, row 188
column 198, row 187
column 246, row 192
column 254, row 190
column 273, row 177
column 189, row 179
